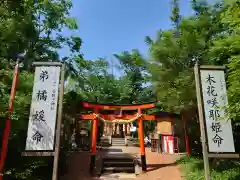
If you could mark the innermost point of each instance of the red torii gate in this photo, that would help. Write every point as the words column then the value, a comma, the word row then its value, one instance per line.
column 95, row 117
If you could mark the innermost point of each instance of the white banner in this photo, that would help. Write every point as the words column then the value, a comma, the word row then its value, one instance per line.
column 42, row 119
column 215, row 101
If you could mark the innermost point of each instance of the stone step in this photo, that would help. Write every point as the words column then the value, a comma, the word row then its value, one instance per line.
column 115, row 142
column 117, row 164
column 121, row 160
column 118, row 142
column 117, row 157
column 118, row 145
column 119, row 169
column 118, row 139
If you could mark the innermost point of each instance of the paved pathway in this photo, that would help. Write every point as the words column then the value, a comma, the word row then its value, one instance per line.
column 160, row 166
column 78, row 167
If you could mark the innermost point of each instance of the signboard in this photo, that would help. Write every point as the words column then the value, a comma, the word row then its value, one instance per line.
column 218, row 126
column 42, row 118
column 164, row 126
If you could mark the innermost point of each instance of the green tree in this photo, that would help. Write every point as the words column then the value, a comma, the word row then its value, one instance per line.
column 33, row 27
column 175, row 52
column 135, row 72
column 225, row 50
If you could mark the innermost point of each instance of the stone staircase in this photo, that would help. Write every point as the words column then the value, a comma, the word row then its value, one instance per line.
column 118, row 142
column 105, row 141
column 118, row 162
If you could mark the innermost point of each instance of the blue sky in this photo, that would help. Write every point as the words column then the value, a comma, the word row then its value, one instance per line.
column 112, row 26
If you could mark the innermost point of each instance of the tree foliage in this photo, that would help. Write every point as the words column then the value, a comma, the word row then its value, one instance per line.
column 175, row 51
column 210, row 36
column 32, row 28
column 225, row 50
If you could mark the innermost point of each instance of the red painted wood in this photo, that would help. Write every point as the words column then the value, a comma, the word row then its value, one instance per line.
column 112, row 116
column 129, row 107
column 6, row 133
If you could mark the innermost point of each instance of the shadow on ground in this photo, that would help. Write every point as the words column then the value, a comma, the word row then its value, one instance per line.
column 153, row 167
column 78, row 164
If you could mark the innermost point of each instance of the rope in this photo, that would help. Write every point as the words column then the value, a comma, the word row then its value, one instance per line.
column 119, row 121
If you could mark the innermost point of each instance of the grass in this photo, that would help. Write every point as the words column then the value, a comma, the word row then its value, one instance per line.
column 193, row 169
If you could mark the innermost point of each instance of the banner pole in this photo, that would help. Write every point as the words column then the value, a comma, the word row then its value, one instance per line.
column 59, row 125
column 201, row 121
column 7, row 128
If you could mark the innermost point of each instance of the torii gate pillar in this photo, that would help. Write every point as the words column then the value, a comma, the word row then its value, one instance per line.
column 141, row 140
column 94, row 142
